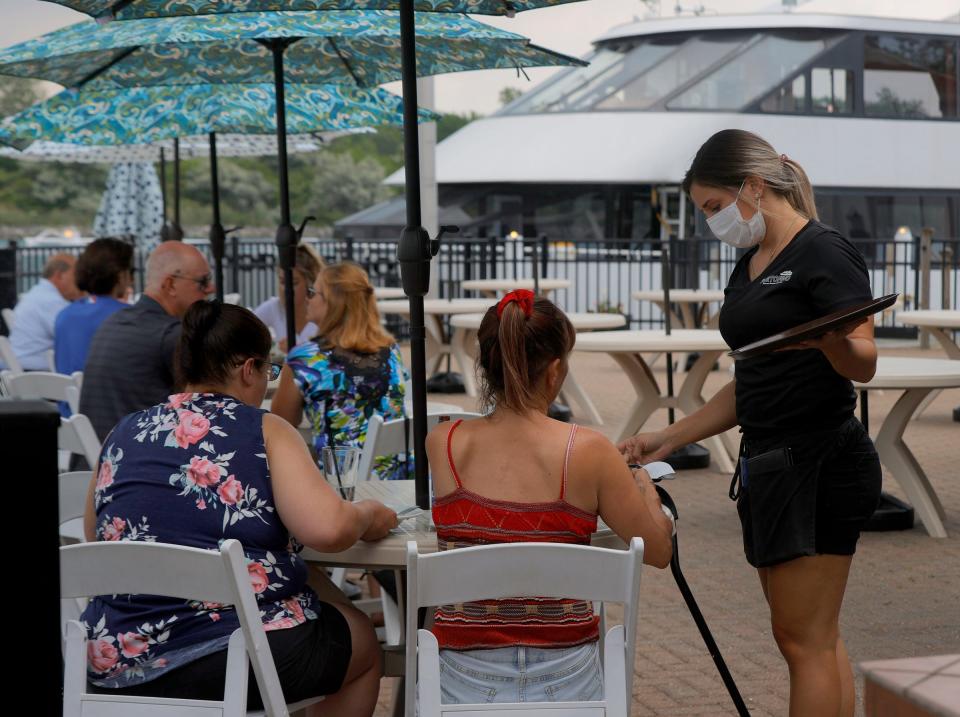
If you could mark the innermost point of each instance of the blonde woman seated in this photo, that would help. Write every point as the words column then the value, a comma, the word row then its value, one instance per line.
column 520, row 476
column 272, row 312
column 352, row 370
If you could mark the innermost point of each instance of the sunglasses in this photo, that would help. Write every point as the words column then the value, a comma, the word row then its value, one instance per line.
column 203, row 282
column 275, row 369
column 311, row 292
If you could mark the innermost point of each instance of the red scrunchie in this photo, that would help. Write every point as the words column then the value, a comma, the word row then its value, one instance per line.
column 524, row 297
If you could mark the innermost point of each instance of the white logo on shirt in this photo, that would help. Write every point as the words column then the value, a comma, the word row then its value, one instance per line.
column 780, row 278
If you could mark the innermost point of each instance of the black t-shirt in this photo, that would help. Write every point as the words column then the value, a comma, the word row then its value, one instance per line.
column 795, row 391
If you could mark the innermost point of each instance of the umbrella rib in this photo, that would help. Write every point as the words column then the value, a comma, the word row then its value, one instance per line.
column 345, row 61
column 118, row 7
column 100, row 70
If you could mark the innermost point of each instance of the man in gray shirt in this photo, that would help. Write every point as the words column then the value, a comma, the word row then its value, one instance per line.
column 130, row 363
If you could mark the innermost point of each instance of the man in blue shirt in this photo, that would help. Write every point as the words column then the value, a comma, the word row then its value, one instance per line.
column 36, row 312
column 105, row 271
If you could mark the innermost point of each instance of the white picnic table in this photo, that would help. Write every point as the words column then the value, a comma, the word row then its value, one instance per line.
column 917, row 377
column 434, row 310
column 693, row 305
column 490, row 287
column 464, row 347
column 388, row 292
column 939, row 323
column 627, row 347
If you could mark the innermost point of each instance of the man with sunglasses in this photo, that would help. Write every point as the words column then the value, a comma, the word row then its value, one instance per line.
column 130, row 364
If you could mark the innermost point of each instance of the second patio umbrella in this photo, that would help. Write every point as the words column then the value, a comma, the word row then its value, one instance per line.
column 143, row 118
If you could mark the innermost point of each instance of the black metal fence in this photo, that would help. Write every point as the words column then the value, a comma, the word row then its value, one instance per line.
column 603, row 274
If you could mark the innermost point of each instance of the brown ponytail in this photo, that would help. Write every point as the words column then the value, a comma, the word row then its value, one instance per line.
column 515, row 350
column 732, row 155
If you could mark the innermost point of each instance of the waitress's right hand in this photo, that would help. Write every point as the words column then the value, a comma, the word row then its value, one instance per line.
column 382, row 520
column 645, row 448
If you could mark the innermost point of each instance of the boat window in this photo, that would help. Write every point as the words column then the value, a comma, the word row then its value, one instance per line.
column 909, row 76
column 760, row 67
column 696, row 56
column 789, row 97
column 609, row 68
column 831, row 90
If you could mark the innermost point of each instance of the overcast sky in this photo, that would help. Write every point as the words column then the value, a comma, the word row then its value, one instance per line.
column 566, row 28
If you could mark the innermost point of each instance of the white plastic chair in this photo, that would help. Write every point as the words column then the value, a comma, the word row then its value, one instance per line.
column 99, row 568
column 76, row 435
column 387, row 438
column 9, row 357
column 491, row 572
column 47, row 385
column 72, row 496
column 9, row 318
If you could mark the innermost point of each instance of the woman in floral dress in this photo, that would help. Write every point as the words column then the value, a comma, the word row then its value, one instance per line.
column 206, row 466
column 351, row 371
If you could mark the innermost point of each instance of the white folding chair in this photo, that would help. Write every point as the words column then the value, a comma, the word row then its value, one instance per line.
column 491, row 572
column 89, row 569
column 9, row 318
column 9, row 357
column 76, row 435
column 72, row 495
column 47, row 385
column 387, row 438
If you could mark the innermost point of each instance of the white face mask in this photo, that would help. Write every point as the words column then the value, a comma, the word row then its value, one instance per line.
column 729, row 226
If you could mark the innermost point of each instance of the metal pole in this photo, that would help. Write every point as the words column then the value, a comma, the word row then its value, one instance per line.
column 414, row 250
column 176, row 186
column 665, row 278
column 163, row 182
column 286, row 238
column 218, row 238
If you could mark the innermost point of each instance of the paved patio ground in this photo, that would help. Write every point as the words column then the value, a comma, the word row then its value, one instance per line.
column 903, row 597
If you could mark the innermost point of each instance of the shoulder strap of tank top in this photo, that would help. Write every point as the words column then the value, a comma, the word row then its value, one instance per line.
column 453, row 468
column 566, row 460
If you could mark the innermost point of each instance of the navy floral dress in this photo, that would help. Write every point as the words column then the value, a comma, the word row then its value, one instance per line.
column 192, row 471
column 342, row 389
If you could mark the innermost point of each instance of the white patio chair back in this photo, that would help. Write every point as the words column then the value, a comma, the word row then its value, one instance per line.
column 491, row 572
column 393, row 437
column 9, row 318
column 8, row 357
column 72, row 497
column 47, row 385
column 76, row 435
column 89, row 569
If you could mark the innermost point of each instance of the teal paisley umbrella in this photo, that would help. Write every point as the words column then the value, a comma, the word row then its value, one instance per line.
column 142, row 120
column 135, row 9
column 352, row 47
column 151, row 115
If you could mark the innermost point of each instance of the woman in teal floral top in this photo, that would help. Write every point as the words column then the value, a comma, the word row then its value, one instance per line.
column 350, row 372
column 204, row 466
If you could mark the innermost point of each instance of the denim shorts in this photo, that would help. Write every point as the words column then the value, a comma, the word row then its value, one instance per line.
column 521, row 674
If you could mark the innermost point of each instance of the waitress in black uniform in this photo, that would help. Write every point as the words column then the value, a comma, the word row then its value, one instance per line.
column 809, row 475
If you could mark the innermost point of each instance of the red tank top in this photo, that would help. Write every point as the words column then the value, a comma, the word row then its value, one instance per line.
column 464, row 518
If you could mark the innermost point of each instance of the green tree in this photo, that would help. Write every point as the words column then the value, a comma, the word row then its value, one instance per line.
column 17, row 94
column 509, row 94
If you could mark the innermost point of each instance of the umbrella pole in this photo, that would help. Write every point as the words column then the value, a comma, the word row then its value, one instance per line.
column 287, row 237
column 665, row 280
column 176, row 233
column 218, row 238
column 163, row 182
column 414, row 251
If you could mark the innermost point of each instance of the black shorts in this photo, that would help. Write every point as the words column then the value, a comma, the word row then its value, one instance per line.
column 311, row 660
column 816, row 506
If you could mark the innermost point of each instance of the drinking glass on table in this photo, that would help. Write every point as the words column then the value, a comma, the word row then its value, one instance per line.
column 340, row 469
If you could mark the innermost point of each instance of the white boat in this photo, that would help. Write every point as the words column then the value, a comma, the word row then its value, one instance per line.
column 867, row 105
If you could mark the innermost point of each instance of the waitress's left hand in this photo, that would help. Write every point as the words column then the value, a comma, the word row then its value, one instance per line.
column 827, row 341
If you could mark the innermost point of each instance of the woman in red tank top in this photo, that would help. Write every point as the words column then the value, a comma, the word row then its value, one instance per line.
column 517, row 475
